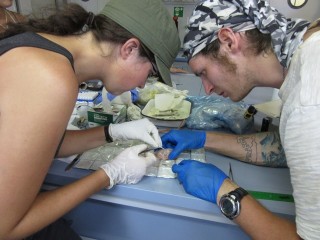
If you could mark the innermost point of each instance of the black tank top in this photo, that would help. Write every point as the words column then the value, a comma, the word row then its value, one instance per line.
column 30, row 39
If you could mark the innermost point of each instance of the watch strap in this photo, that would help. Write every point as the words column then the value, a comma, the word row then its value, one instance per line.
column 107, row 134
column 239, row 193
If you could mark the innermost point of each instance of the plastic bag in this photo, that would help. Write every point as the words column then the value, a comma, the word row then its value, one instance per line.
column 218, row 113
column 94, row 158
column 153, row 87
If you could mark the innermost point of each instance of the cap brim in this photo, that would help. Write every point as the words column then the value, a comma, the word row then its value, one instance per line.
column 164, row 72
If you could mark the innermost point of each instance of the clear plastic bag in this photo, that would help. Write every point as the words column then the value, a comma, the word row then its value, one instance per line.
column 218, row 113
column 153, row 87
column 162, row 167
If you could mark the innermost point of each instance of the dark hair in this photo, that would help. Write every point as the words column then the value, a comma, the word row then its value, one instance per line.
column 258, row 43
column 72, row 20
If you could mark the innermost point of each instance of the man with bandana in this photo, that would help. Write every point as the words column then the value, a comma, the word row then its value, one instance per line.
column 234, row 46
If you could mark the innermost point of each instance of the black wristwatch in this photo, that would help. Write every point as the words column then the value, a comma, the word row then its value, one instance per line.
column 230, row 203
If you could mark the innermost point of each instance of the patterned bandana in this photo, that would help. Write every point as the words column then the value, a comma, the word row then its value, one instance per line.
column 241, row 15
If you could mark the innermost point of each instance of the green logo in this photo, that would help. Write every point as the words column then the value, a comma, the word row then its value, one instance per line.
column 178, row 11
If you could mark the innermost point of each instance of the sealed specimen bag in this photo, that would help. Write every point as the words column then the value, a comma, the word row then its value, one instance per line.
column 218, row 113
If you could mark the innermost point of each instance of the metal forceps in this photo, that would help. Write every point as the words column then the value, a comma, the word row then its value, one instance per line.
column 154, row 149
column 74, row 161
column 231, row 173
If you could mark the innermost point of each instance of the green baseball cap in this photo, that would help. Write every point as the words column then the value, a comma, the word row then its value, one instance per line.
column 150, row 21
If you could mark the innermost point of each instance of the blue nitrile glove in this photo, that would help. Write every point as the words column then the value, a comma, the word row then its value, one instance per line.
column 134, row 95
column 180, row 140
column 111, row 96
column 202, row 180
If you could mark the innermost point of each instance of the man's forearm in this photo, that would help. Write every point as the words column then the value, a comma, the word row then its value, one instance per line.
column 263, row 149
column 257, row 221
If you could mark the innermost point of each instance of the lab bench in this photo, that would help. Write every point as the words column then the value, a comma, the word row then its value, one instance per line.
column 159, row 208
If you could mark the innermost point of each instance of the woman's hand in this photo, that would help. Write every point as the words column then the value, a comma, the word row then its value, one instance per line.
column 129, row 167
column 141, row 129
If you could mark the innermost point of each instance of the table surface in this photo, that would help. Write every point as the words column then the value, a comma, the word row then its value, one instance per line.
column 168, row 195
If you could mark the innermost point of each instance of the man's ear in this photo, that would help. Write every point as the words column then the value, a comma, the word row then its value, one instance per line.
column 229, row 40
column 130, row 47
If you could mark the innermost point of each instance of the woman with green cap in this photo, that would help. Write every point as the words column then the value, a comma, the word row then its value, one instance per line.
column 42, row 63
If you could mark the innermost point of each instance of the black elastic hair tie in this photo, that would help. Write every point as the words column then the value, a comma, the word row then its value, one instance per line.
column 90, row 19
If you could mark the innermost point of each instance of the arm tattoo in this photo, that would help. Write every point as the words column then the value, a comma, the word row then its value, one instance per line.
column 249, row 145
column 272, row 152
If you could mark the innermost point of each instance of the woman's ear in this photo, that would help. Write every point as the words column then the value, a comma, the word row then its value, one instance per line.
column 130, row 47
column 228, row 39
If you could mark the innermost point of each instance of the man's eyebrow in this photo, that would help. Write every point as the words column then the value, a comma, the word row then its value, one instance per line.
column 197, row 75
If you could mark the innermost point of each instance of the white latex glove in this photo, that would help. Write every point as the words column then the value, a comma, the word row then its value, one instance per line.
column 129, row 167
column 141, row 129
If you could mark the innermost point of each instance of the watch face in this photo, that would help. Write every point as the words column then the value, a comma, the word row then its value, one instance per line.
column 230, row 203
column 229, row 207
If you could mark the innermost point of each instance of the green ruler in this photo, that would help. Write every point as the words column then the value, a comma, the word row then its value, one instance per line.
column 272, row 196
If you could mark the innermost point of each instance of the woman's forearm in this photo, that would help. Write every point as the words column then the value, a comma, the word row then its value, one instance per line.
column 78, row 141
column 51, row 205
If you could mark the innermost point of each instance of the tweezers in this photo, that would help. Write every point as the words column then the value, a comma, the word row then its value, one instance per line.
column 74, row 161
column 154, row 149
column 230, row 172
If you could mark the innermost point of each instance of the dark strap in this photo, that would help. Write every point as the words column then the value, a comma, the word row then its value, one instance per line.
column 239, row 193
column 30, row 39
column 107, row 134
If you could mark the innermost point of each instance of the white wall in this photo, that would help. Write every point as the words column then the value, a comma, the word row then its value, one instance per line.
column 94, row 6
column 182, row 21
column 310, row 12
column 33, row 6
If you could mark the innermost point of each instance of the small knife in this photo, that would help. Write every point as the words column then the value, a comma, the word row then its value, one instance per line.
column 74, row 161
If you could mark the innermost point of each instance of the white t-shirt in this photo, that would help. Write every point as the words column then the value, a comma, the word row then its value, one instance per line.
column 300, row 134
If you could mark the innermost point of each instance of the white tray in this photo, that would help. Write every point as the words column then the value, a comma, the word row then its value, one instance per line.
column 176, row 120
